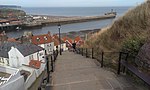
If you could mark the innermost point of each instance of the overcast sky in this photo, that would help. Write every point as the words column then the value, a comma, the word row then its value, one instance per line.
column 70, row 3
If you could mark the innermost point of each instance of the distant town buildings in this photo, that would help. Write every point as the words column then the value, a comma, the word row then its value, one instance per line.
column 22, row 59
column 68, row 41
column 57, row 43
column 78, row 41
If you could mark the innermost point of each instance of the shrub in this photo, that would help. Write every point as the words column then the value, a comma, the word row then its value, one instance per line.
column 133, row 45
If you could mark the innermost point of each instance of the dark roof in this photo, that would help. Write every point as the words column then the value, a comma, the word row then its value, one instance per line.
column 25, row 49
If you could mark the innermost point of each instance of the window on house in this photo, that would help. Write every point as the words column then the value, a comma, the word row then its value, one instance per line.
column 38, row 54
column 30, row 57
column 0, row 59
column 45, row 37
column 7, row 61
column 38, row 39
column 50, row 49
column 41, row 54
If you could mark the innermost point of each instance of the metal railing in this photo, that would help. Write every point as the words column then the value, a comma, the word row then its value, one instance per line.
column 50, row 66
column 106, row 59
column 113, row 60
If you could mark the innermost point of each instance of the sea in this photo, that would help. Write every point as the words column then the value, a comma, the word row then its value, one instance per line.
column 70, row 11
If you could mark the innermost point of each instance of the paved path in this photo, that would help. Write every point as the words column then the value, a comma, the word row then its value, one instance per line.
column 75, row 72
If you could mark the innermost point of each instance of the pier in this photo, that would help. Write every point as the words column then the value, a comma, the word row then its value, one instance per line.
column 76, row 19
column 9, row 27
column 51, row 20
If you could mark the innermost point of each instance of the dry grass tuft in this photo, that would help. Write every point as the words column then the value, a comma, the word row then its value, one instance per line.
column 135, row 23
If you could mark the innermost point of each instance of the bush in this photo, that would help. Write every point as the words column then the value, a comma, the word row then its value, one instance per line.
column 133, row 45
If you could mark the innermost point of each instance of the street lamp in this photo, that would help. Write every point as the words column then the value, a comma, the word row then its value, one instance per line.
column 59, row 26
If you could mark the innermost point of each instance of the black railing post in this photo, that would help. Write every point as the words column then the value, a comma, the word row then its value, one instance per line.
column 78, row 50
column 54, row 55
column 48, row 73
column 92, row 53
column 86, row 53
column 39, row 88
column 119, row 63
column 126, row 61
column 102, row 61
column 52, row 64
column 82, row 51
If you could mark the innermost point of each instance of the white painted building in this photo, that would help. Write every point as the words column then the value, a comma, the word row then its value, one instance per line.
column 25, row 57
column 57, row 43
column 12, row 80
column 34, row 74
column 63, row 46
column 16, row 55
column 44, row 41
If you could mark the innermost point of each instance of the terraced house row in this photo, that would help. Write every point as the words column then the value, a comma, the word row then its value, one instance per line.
column 23, row 59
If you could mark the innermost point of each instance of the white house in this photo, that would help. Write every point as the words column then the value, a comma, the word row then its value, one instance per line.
column 68, row 42
column 57, row 43
column 28, row 58
column 44, row 41
column 11, row 79
column 63, row 46
column 15, row 54
column 78, row 41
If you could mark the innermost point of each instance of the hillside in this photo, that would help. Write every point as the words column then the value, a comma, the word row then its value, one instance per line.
column 6, row 12
column 133, row 27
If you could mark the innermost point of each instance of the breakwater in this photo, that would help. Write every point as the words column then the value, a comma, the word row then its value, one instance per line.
column 75, row 19
column 51, row 21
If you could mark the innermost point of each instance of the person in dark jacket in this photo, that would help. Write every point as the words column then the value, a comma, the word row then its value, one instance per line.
column 74, row 46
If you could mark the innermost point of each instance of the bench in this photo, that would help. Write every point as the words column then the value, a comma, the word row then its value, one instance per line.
column 140, row 74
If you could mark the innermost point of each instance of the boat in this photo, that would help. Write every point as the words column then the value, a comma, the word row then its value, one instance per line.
column 112, row 12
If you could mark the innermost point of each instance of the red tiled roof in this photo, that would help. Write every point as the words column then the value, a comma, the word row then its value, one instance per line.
column 41, row 39
column 13, row 40
column 13, row 19
column 15, row 22
column 56, row 36
column 4, row 21
column 67, row 39
column 77, row 39
column 35, row 64
column 56, row 42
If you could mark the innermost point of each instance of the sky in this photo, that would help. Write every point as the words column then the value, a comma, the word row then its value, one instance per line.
column 71, row 3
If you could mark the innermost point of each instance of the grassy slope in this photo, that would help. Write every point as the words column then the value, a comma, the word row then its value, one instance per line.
column 135, row 23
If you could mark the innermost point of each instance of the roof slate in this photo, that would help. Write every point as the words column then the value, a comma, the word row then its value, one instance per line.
column 25, row 49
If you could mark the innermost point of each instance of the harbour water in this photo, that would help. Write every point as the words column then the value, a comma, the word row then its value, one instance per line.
column 70, row 11
column 73, row 11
